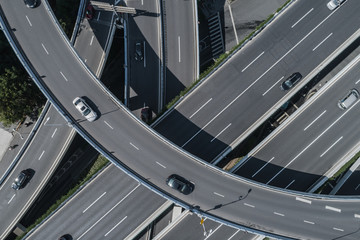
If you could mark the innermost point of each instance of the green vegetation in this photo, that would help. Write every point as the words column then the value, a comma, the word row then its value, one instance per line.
column 66, row 12
column 98, row 165
column 339, row 173
column 19, row 96
column 219, row 61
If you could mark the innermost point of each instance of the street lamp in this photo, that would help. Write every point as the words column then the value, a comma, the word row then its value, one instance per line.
column 18, row 133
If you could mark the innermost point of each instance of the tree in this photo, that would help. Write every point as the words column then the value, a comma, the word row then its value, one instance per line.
column 18, row 95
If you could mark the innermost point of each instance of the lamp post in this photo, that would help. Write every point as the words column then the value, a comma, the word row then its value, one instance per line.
column 18, row 133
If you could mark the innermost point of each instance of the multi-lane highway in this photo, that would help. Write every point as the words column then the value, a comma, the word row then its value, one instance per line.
column 41, row 158
column 311, row 143
column 216, row 194
column 112, row 206
column 243, row 90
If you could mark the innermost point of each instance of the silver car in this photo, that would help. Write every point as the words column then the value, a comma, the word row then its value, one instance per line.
column 85, row 109
column 349, row 99
column 334, row 4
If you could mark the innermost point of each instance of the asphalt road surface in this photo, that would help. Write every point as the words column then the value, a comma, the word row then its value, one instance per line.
column 216, row 193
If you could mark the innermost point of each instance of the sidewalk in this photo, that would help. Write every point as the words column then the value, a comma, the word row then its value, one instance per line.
column 16, row 139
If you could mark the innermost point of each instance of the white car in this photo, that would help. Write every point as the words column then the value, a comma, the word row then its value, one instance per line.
column 334, row 4
column 85, row 109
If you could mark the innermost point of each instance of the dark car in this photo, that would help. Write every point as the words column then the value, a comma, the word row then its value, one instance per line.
column 291, row 81
column 65, row 237
column 139, row 51
column 20, row 180
column 30, row 3
column 146, row 114
column 179, row 183
column 89, row 12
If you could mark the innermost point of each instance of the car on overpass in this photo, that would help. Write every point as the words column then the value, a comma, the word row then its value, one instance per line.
column 85, row 109
column 179, row 183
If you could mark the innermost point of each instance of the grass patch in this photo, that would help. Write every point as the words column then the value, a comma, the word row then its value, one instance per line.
column 99, row 164
column 339, row 173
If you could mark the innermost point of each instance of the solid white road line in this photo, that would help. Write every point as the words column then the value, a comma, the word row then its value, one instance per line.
column 200, row 108
column 94, row 202
column 115, row 226
column 52, row 136
column 252, row 61
column 303, row 200
column 233, row 24
column 160, row 164
column 92, row 226
column 179, row 49
column 279, row 214
column 273, row 86
column 331, row 146
column 28, row 20
column 219, row 194
column 302, row 18
column 338, row 229
column 144, row 54
column 263, row 166
column 134, row 146
column 315, row 120
column 92, row 39
column 305, row 221
column 317, row 138
column 45, row 48
column 41, row 155
column 290, row 184
column 108, row 124
column 63, row 76
column 11, row 199
column 322, row 42
column 249, row 205
column 233, row 234
column 333, row 209
column 220, row 132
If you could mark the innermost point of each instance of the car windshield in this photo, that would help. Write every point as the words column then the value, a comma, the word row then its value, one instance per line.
column 288, row 83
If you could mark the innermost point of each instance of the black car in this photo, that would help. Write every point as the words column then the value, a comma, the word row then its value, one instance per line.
column 291, row 81
column 139, row 51
column 179, row 183
column 65, row 237
column 30, row 3
column 20, row 180
column 146, row 114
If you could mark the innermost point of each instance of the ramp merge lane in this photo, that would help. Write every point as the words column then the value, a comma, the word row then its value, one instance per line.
column 216, row 194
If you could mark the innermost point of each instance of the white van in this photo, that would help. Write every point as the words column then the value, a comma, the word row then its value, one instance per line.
column 349, row 99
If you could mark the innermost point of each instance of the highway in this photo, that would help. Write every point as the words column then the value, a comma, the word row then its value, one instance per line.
column 181, row 43
column 226, row 107
column 209, row 231
column 144, row 75
column 312, row 143
column 112, row 205
column 217, row 194
column 41, row 157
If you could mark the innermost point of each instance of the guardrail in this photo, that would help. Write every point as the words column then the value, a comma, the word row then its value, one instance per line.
column 37, row 79
column 26, row 144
